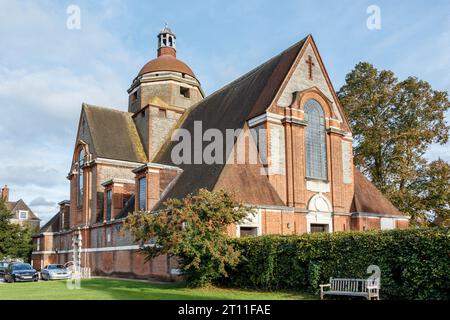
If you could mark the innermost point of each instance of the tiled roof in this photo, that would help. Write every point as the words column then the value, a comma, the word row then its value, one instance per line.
column 368, row 199
column 53, row 225
column 21, row 205
column 114, row 134
column 229, row 108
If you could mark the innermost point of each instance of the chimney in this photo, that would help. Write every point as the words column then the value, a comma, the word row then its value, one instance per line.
column 5, row 193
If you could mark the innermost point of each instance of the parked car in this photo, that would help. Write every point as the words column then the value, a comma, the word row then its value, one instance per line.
column 3, row 266
column 55, row 272
column 18, row 271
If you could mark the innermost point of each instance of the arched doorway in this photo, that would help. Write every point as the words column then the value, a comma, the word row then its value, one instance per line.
column 319, row 218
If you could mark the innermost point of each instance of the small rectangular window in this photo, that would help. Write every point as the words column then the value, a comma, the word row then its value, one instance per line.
column 23, row 215
column 319, row 228
column 161, row 113
column 142, row 194
column 108, row 205
column 248, row 231
column 185, row 92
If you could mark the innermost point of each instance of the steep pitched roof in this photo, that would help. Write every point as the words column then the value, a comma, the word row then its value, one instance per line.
column 114, row 134
column 53, row 225
column 368, row 199
column 21, row 205
column 229, row 108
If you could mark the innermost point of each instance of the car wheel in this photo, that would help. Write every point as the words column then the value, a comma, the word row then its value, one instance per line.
column 13, row 279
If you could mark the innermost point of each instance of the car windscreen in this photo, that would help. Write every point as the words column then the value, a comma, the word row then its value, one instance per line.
column 3, row 264
column 55, row 266
column 23, row 266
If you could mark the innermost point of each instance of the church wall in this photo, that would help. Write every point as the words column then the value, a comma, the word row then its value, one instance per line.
column 142, row 123
column 299, row 80
column 160, row 128
column 276, row 151
column 282, row 222
column 341, row 223
column 366, row 223
column 402, row 224
column 105, row 172
column 168, row 92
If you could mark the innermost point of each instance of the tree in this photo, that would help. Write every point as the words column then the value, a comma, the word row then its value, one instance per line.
column 437, row 192
column 15, row 240
column 194, row 230
column 393, row 124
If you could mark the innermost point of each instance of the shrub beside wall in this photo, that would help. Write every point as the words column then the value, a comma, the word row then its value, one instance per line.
column 414, row 263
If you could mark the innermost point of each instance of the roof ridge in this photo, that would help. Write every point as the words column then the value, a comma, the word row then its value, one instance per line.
column 252, row 71
column 112, row 109
column 49, row 223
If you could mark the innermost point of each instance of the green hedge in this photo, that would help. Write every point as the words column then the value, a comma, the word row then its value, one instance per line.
column 414, row 263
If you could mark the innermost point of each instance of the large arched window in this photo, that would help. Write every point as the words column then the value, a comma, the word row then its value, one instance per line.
column 80, row 179
column 316, row 150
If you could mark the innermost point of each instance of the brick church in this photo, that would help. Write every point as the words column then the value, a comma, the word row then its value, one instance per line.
column 304, row 179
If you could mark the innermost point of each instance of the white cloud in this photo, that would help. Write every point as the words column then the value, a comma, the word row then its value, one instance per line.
column 42, row 202
column 46, row 72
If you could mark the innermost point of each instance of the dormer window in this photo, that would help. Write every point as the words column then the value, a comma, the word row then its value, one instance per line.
column 162, row 113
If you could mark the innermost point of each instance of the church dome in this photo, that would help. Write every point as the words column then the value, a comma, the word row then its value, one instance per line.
column 167, row 56
column 166, row 62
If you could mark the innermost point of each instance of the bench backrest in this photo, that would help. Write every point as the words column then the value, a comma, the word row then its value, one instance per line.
column 351, row 285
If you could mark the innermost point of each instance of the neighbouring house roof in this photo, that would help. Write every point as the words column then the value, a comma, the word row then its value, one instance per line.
column 114, row 134
column 15, row 206
column 368, row 199
column 53, row 225
column 229, row 108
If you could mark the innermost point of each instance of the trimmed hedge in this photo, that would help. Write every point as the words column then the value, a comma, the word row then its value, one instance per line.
column 414, row 263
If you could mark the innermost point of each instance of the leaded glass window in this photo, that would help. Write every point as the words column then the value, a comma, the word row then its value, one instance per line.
column 316, row 150
column 142, row 194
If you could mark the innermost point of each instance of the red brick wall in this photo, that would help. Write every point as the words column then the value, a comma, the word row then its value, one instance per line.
column 402, row 224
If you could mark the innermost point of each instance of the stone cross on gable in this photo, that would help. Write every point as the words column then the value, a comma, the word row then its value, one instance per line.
column 310, row 65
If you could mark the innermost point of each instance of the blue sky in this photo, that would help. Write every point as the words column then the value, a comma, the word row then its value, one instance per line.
column 47, row 70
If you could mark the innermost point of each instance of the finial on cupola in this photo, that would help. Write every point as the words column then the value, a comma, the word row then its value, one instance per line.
column 166, row 42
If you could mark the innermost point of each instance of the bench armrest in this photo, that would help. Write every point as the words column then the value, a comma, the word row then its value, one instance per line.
column 325, row 285
column 373, row 287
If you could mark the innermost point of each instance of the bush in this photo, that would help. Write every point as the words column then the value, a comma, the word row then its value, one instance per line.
column 195, row 231
column 414, row 263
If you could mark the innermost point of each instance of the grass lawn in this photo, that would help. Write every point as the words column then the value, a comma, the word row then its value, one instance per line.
column 107, row 289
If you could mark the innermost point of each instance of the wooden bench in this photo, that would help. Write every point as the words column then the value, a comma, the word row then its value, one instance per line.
column 367, row 288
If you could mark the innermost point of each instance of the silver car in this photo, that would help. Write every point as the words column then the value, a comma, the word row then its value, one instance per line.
column 55, row 272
